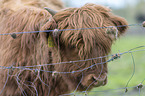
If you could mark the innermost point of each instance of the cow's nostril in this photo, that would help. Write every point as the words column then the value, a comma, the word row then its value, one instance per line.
column 94, row 78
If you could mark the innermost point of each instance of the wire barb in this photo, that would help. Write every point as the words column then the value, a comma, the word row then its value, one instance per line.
column 54, row 74
column 126, row 90
column 55, row 32
column 116, row 56
column 140, row 86
column 13, row 35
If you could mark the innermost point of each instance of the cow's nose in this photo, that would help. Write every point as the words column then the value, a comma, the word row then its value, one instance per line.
column 100, row 81
column 97, row 81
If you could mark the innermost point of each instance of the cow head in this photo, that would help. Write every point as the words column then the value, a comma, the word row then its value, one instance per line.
column 71, row 45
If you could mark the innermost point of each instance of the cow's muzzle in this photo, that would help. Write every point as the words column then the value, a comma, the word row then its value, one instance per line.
column 94, row 80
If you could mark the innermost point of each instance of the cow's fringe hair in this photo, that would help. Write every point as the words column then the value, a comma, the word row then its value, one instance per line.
column 86, row 40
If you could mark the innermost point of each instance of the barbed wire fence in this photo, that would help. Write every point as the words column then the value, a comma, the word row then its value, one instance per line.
column 37, row 68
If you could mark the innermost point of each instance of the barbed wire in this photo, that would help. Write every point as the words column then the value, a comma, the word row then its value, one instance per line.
column 113, row 57
column 139, row 24
column 37, row 67
column 139, row 87
column 116, row 56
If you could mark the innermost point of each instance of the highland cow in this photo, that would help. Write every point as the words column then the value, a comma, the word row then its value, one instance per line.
column 33, row 49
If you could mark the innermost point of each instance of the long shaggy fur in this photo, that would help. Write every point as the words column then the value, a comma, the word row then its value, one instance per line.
column 32, row 49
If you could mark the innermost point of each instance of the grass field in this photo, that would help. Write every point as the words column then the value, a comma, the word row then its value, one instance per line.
column 121, row 70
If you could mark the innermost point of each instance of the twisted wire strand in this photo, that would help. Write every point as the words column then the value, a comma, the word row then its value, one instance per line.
column 139, row 24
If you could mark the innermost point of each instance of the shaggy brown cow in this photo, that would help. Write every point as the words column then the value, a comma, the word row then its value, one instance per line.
column 32, row 49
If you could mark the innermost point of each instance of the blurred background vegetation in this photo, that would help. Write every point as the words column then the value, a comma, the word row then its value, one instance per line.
column 132, row 10
column 121, row 70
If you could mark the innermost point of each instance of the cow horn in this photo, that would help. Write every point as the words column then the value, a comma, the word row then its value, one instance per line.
column 52, row 12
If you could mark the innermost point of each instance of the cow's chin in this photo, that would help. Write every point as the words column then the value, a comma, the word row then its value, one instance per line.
column 92, row 80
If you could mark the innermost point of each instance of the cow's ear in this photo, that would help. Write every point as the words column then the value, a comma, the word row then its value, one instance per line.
column 50, row 34
column 120, row 23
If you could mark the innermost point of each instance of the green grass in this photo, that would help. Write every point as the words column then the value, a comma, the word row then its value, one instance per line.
column 121, row 70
